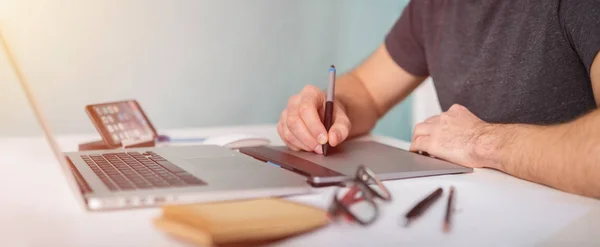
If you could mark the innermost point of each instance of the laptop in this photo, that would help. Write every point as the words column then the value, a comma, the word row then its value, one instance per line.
column 148, row 177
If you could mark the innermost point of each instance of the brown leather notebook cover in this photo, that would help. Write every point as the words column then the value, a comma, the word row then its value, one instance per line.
column 244, row 222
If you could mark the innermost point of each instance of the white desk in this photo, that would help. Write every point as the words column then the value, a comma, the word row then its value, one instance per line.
column 38, row 209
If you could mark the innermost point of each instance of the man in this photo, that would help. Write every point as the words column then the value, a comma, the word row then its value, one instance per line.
column 518, row 81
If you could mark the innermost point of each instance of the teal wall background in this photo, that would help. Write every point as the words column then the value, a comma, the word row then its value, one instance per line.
column 362, row 28
column 190, row 63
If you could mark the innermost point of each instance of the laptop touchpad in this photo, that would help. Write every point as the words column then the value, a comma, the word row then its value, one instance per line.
column 193, row 152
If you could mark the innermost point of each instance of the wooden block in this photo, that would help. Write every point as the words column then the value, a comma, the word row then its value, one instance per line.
column 183, row 232
column 242, row 221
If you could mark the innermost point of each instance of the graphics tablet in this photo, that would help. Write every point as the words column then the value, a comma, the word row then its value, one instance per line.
column 341, row 163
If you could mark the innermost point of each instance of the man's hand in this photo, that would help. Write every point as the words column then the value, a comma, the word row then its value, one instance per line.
column 455, row 135
column 301, row 125
column 362, row 96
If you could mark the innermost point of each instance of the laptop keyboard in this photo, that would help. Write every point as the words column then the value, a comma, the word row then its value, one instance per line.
column 134, row 170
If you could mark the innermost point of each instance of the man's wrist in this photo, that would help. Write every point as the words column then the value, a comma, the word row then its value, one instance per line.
column 491, row 142
column 361, row 116
column 499, row 145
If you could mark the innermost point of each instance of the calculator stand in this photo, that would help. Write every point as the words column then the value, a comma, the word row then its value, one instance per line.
column 144, row 142
column 95, row 145
column 101, row 145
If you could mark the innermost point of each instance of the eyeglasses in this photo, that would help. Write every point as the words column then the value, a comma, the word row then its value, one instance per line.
column 358, row 202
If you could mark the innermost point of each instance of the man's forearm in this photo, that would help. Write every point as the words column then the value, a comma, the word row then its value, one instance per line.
column 566, row 156
column 358, row 103
column 371, row 89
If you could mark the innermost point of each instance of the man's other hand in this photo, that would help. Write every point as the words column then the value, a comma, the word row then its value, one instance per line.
column 456, row 135
column 301, row 124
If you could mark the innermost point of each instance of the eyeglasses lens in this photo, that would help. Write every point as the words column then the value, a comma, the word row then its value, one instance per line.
column 357, row 205
column 368, row 177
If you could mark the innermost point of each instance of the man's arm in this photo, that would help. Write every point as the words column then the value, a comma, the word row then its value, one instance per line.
column 362, row 96
column 373, row 88
column 564, row 156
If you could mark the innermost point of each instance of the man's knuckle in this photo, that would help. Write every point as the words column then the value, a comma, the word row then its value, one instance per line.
column 344, row 121
column 417, row 140
column 292, row 100
column 283, row 115
column 418, row 126
column 457, row 107
column 293, row 122
column 444, row 116
column 305, row 108
column 293, row 118
column 310, row 89
column 340, row 127
column 341, row 117
column 288, row 136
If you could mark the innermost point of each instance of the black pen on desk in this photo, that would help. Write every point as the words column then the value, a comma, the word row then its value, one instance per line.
column 329, row 107
column 422, row 206
column 449, row 210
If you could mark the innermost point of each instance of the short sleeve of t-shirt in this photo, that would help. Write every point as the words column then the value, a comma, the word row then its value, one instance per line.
column 404, row 42
column 581, row 24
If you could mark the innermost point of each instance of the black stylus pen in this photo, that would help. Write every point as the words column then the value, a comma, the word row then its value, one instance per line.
column 422, row 206
column 329, row 107
column 449, row 211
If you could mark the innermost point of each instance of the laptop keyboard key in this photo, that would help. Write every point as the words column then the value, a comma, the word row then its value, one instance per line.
column 190, row 179
column 133, row 170
column 169, row 166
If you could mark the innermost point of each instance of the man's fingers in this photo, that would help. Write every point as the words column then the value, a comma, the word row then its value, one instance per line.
column 341, row 127
column 422, row 129
column 281, row 134
column 314, row 93
column 297, row 127
column 432, row 119
column 300, row 125
column 294, row 101
column 294, row 131
column 286, row 135
column 293, row 142
column 420, row 144
column 310, row 116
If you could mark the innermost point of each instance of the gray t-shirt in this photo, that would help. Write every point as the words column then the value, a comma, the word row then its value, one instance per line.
column 507, row 61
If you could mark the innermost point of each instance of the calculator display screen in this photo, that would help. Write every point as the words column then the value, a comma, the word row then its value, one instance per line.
column 118, row 121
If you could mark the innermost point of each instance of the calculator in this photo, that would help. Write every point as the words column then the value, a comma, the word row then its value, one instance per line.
column 121, row 121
